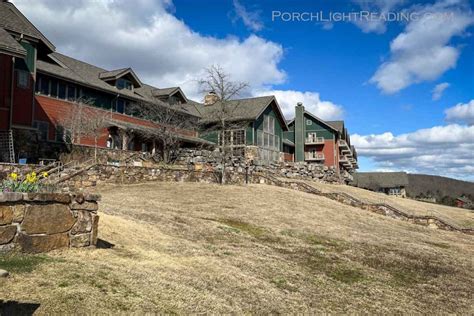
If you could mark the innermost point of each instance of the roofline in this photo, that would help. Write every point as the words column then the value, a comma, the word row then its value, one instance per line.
column 12, row 53
column 273, row 98
column 178, row 89
column 321, row 120
column 108, row 91
column 22, row 16
column 122, row 73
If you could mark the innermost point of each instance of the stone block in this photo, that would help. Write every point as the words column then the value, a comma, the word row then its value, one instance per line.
column 95, row 229
column 6, row 214
column 7, row 233
column 82, row 240
column 42, row 243
column 83, row 222
column 48, row 197
column 47, row 219
column 18, row 212
column 11, row 197
column 86, row 206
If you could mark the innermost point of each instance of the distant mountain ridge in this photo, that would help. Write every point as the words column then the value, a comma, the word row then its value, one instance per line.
column 437, row 186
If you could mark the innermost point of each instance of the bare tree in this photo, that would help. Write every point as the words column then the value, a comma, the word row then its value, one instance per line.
column 171, row 123
column 83, row 121
column 222, row 118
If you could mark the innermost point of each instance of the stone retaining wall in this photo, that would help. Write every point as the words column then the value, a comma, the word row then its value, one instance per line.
column 40, row 222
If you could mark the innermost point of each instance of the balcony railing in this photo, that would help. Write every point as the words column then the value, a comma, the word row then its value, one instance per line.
column 343, row 160
column 314, row 140
column 313, row 156
column 343, row 144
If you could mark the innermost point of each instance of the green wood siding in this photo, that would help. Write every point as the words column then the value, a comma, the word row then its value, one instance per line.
column 249, row 135
column 318, row 128
column 290, row 135
column 29, row 62
column 278, row 126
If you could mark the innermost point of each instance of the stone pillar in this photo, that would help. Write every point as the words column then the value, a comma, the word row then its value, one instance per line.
column 299, row 132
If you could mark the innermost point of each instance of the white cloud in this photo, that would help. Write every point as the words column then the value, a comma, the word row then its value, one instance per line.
column 444, row 150
column 162, row 49
column 251, row 19
column 381, row 7
column 311, row 101
column 461, row 113
column 438, row 90
column 422, row 52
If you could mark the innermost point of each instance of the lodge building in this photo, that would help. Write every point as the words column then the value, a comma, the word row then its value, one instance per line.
column 39, row 86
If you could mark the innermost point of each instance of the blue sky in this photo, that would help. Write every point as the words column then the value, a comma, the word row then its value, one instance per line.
column 378, row 76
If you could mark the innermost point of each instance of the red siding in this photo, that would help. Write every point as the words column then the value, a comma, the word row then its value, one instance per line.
column 5, row 86
column 51, row 110
column 23, row 103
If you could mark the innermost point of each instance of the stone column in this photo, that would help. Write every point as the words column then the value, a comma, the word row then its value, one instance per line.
column 299, row 132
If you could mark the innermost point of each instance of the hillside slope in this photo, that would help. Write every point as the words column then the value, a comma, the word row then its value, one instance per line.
column 192, row 248
column 457, row 216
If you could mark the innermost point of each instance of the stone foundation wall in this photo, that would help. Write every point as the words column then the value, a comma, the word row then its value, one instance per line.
column 101, row 174
column 40, row 222
column 296, row 170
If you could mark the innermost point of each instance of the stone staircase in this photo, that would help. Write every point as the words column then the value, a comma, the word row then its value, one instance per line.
column 379, row 208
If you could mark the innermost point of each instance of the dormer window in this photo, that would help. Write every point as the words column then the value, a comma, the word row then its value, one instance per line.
column 124, row 84
column 121, row 79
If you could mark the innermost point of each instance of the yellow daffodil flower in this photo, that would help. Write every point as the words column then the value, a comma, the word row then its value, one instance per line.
column 14, row 176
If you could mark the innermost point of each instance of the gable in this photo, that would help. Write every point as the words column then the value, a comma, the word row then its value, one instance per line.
column 313, row 125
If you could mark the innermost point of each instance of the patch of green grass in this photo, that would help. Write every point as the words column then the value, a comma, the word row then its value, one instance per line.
column 229, row 229
column 438, row 244
column 281, row 283
column 316, row 240
column 405, row 269
column 346, row 275
column 22, row 263
column 250, row 229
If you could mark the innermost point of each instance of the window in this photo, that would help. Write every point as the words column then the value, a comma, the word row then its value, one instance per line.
column 44, row 86
column 120, row 105
column 23, row 79
column 54, row 88
column 235, row 139
column 268, row 140
column 71, row 93
column 309, row 122
column 123, row 84
column 259, row 138
column 43, row 128
column 62, row 135
column 62, row 90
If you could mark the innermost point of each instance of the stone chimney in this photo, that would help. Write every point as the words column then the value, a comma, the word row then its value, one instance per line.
column 300, row 132
column 210, row 98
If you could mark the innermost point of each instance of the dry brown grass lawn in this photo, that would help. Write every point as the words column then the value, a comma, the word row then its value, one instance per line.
column 191, row 248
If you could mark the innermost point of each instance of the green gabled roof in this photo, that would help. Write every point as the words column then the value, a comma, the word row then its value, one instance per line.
column 9, row 46
column 247, row 109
